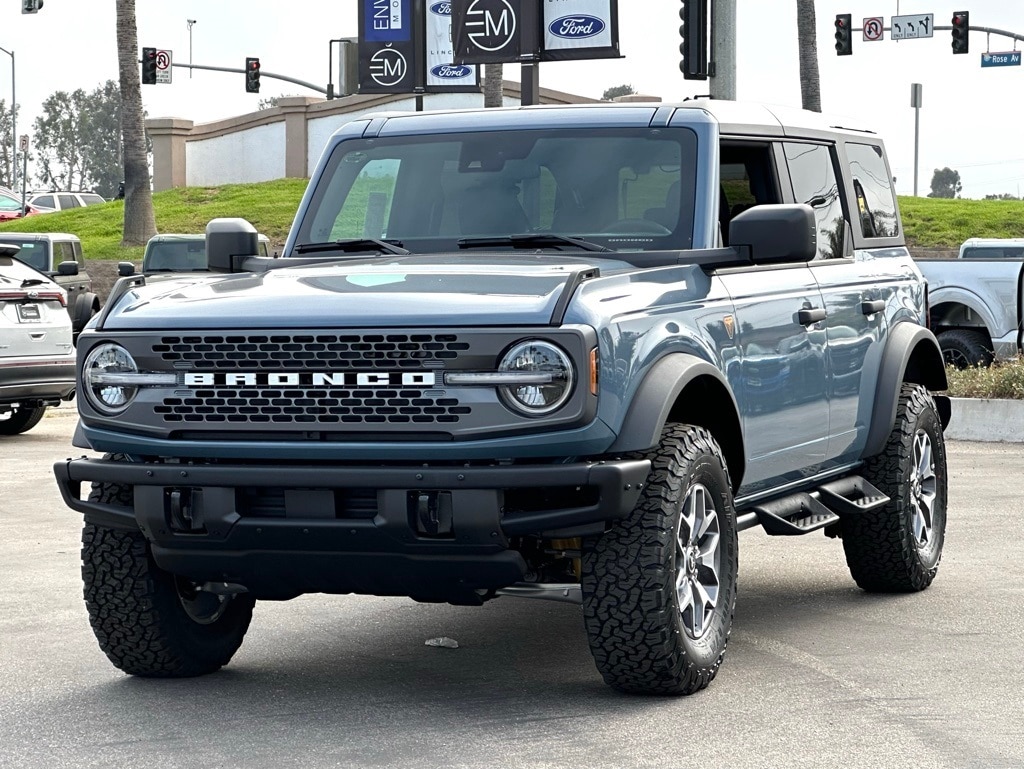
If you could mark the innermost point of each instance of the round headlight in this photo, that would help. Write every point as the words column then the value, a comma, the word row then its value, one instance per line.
column 108, row 359
column 537, row 357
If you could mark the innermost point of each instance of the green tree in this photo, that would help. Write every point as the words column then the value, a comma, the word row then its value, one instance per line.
column 1002, row 196
column 945, row 183
column 807, row 44
column 610, row 94
column 139, row 221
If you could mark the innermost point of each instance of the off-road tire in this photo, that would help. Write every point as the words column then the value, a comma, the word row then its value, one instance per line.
column 882, row 550
column 630, row 603
column 135, row 609
column 962, row 348
column 21, row 420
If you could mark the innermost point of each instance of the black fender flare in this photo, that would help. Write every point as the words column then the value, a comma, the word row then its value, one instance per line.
column 657, row 396
column 86, row 305
column 912, row 354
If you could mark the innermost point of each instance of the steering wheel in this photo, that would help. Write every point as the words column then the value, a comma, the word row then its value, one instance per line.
column 630, row 226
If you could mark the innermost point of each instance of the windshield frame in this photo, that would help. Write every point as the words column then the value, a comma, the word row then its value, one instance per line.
column 408, row 196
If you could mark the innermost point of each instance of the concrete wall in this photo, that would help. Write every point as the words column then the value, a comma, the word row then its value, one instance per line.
column 286, row 140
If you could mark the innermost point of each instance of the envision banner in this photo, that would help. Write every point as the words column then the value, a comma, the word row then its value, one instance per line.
column 387, row 55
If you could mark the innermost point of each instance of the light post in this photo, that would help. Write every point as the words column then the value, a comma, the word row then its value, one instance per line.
column 14, row 122
column 190, row 22
column 916, row 90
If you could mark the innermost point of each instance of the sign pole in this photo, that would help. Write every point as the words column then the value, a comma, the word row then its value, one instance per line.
column 916, row 90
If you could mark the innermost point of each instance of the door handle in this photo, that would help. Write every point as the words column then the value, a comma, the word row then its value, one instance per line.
column 873, row 306
column 811, row 315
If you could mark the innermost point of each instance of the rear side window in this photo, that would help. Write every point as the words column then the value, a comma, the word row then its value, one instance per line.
column 92, row 200
column 993, row 252
column 68, row 201
column 814, row 182
column 871, row 184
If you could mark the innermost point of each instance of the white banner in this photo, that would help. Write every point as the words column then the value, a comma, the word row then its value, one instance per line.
column 574, row 24
column 441, row 71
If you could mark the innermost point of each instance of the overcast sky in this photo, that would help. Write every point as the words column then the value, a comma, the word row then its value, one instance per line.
column 972, row 119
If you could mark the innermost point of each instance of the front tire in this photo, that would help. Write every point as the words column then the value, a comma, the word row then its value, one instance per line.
column 897, row 548
column 21, row 420
column 148, row 621
column 659, row 587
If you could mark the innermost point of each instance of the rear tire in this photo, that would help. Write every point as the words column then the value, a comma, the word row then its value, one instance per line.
column 962, row 348
column 659, row 587
column 148, row 621
column 21, row 420
column 897, row 548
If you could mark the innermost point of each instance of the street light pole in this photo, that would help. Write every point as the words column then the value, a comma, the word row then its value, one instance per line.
column 190, row 22
column 14, row 122
column 916, row 90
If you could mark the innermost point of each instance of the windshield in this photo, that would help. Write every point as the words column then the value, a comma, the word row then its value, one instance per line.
column 625, row 189
column 34, row 253
column 175, row 255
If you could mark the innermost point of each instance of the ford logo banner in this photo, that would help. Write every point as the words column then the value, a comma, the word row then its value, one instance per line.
column 441, row 9
column 576, row 27
column 451, row 71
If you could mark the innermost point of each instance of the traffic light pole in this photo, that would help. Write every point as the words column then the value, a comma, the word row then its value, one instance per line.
column 723, row 49
column 263, row 73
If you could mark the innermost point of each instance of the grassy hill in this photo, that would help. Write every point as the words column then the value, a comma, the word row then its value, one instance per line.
column 270, row 206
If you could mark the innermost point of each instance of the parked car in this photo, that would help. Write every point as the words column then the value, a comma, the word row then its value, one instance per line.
column 992, row 248
column 48, row 202
column 37, row 356
column 59, row 256
column 183, row 253
column 11, row 208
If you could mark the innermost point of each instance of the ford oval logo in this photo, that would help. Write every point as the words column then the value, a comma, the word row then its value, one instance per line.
column 441, row 9
column 451, row 71
column 576, row 27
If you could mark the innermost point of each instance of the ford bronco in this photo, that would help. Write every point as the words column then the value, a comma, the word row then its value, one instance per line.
column 564, row 353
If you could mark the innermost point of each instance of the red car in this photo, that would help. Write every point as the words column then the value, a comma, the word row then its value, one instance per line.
column 10, row 208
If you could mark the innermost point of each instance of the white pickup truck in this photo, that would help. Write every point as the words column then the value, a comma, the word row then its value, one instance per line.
column 976, row 308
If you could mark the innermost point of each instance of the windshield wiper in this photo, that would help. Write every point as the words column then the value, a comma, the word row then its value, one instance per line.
column 354, row 245
column 531, row 240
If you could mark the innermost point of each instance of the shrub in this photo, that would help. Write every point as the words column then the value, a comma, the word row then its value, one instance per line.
column 1003, row 379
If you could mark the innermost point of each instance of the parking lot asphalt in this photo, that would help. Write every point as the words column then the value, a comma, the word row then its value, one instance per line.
column 817, row 673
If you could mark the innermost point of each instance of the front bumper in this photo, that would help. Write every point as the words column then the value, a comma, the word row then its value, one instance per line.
column 312, row 546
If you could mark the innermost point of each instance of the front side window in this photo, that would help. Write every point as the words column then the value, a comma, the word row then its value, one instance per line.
column 626, row 189
column 814, row 182
column 876, row 204
column 46, row 201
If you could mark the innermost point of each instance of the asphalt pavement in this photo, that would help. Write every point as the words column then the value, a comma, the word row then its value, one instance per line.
column 817, row 673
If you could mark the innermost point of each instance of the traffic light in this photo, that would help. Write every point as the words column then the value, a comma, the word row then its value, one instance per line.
column 148, row 66
column 961, row 27
column 844, row 34
column 31, row 6
column 694, row 32
column 252, row 75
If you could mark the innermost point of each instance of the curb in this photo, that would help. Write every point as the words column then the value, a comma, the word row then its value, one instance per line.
column 981, row 419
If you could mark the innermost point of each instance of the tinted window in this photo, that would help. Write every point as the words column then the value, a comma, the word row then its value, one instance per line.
column 873, row 188
column 46, row 201
column 814, row 182
column 91, row 200
column 993, row 252
column 68, row 201
column 630, row 189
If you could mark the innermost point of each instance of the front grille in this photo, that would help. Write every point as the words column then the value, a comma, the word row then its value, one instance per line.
column 257, row 406
column 310, row 351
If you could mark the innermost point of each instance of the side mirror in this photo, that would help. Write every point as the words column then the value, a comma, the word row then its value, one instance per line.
column 775, row 234
column 125, row 269
column 67, row 268
column 227, row 239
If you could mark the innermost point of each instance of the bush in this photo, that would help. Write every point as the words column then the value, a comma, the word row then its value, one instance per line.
column 1003, row 379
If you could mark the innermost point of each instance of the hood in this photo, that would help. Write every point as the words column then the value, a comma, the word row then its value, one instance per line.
column 398, row 292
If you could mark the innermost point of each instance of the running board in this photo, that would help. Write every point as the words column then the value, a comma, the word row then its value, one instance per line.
column 807, row 511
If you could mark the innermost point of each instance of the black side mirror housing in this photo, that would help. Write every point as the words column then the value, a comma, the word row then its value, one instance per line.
column 227, row 240
column 67, row 268
column 125, row 269
column 775, row 234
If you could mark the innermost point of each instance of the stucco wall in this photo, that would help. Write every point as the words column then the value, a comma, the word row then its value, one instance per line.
column 251, row 155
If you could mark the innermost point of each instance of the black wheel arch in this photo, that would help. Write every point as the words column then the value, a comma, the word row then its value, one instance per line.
column 912, row 355
column 683, row 388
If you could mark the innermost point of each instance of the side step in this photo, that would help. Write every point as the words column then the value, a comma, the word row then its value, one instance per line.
column 806, row 511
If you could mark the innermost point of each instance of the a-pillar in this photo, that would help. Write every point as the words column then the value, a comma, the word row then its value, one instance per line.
column 169, row 135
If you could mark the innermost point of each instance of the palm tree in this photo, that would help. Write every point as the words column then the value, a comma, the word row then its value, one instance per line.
column 807, row 38
column 493, row 90
column 139, row 222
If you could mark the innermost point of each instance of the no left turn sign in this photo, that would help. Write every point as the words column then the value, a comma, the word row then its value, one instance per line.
column 874, row 28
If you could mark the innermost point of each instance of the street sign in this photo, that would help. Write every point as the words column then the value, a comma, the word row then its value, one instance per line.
column 1001, row 59
column 913, row 26
column 23, row 142
column 163, row 66
column 874, row 28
